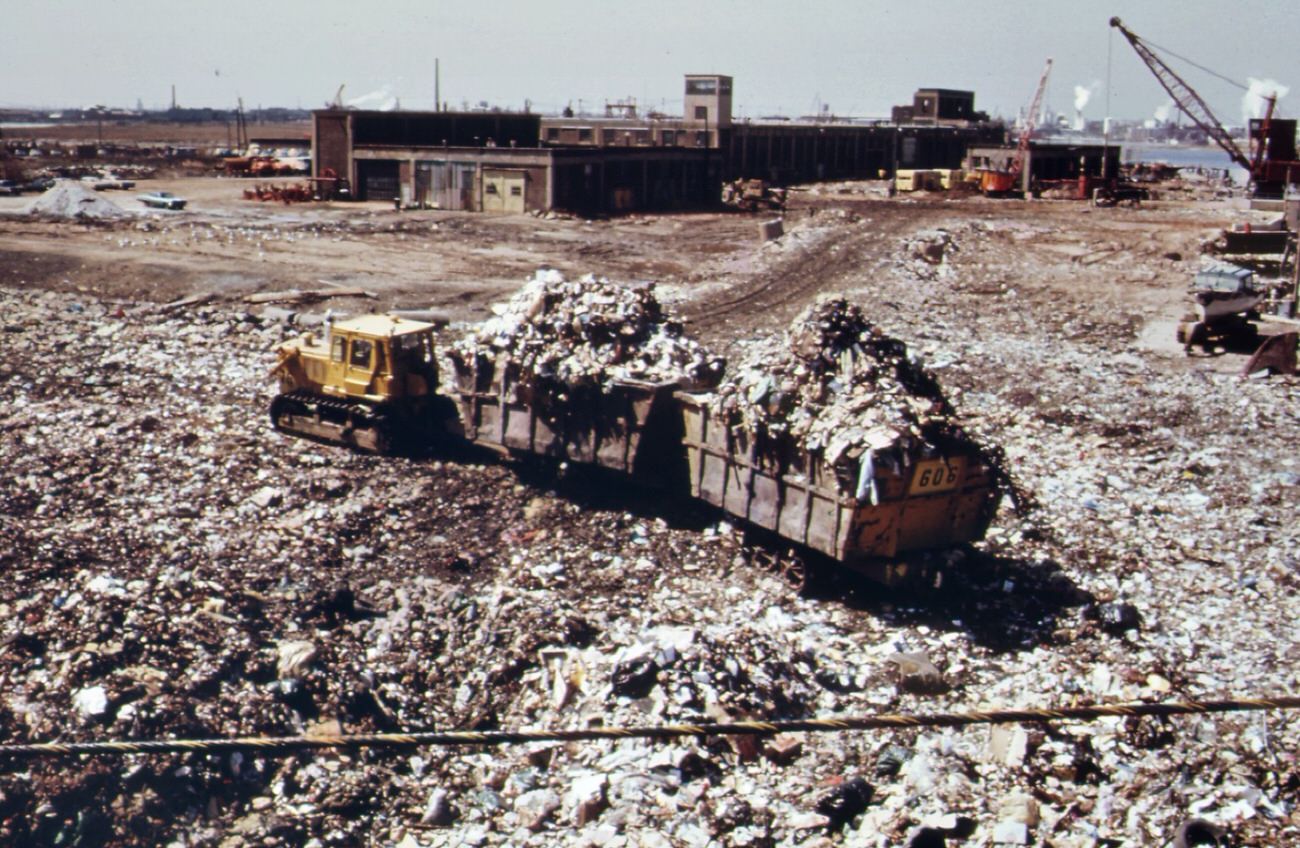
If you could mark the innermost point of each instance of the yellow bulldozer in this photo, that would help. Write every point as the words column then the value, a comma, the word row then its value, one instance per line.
column 752, row 195
column 370, row 382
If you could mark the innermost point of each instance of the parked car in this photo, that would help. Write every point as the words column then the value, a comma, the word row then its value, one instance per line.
column 162, row 200
column 105, row 183
column 10, row 187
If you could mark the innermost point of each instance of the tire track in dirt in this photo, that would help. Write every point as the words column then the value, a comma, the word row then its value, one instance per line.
column 769, row 299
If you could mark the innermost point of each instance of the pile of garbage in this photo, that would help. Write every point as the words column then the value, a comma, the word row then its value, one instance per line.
column 72, row 199
column 836, row 385
column 588, row 333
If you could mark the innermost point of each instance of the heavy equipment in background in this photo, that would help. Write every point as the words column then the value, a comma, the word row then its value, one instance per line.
column 1271, row 164
column 997, row 182
column 1117, row 193
column 752, row 194
column 1224, row 298
column 370, row 383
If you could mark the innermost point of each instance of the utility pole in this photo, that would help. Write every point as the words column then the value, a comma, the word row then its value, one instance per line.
column 437, row 87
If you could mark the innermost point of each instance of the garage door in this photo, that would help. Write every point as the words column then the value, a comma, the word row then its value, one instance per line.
column 503, row 191
column 445, row 185
column 378, row 180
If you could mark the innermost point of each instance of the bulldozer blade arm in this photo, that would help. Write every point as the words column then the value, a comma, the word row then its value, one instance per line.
column 1277, row 355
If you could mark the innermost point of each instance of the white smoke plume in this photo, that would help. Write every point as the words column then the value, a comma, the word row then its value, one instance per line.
column 382, row 100
column 1163, row 111
column 1254, row 101
column 1082, row 94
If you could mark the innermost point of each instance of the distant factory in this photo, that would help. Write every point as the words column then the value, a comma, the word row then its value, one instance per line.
column 624, row 161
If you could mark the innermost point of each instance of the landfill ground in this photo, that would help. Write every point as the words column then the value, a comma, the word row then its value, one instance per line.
column 174, row 568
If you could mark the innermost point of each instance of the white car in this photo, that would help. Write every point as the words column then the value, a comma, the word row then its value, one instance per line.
column 162, row 200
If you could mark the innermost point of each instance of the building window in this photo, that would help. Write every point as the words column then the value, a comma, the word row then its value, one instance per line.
column 584, row 134
column 516, row 191
column 669, row 138
column 701, row 139
column 552, row 133
column 702, row 86
column 490, row 188
column 701, row 113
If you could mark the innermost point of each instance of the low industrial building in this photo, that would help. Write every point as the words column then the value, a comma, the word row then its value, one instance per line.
column 622, row 162
column 1048, row 162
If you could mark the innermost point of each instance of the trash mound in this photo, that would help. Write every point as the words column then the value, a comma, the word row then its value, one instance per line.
column 837, row 386
column 588, row 332
column 71, row 199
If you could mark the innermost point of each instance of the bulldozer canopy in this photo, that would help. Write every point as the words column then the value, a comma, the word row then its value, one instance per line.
column 381, row 326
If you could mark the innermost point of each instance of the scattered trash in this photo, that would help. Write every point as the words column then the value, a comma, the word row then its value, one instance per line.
column 139, row 567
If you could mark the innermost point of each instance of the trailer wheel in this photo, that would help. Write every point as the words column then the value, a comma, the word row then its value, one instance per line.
column 795, row 571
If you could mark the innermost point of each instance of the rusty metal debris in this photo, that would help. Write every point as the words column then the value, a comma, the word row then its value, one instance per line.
column 1277, row 355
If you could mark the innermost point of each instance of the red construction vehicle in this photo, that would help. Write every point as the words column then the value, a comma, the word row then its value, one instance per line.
column 1003, row 182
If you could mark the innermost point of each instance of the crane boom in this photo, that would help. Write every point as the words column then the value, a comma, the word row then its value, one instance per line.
column 1031, row 118
column 1186, row 98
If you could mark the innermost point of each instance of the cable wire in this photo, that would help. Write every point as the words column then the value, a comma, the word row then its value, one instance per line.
column 283, row 744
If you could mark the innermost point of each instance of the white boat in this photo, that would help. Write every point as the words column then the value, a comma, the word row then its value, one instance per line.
column 162, row 200
column 1223, row 290
column 1214, row 306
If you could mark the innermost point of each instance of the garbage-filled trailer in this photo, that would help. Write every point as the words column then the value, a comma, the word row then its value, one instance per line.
column 895, row 503
column 859, row 459
column 605, row 426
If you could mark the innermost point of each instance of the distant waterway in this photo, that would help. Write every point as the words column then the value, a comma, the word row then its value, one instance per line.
column 23, row 125
column 1185, row 157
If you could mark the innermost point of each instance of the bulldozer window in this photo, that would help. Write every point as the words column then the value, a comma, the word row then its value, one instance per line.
column 336, row 352
column 361, row 353
column 416, row 347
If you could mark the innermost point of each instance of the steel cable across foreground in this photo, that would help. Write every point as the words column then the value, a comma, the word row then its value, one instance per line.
column 281, row 744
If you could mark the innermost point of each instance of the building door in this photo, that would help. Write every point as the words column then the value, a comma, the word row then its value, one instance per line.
column 503, row 191
column 378, row 179
column 450, row 184
column 424, row 196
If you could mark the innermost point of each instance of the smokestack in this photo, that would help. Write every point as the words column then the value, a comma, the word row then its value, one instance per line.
column 437, row 87
column 173, row 97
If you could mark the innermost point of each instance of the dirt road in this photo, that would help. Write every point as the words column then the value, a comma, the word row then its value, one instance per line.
column 1111, row 263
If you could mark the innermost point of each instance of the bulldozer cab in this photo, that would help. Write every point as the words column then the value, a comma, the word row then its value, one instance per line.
column 374, row 357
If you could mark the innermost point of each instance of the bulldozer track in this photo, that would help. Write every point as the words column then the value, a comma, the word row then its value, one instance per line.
column 356, row 415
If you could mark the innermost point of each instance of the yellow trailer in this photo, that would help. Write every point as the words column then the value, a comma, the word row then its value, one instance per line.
column 908, row 504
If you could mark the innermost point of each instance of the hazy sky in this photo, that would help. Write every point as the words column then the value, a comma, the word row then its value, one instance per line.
column 787, row 57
